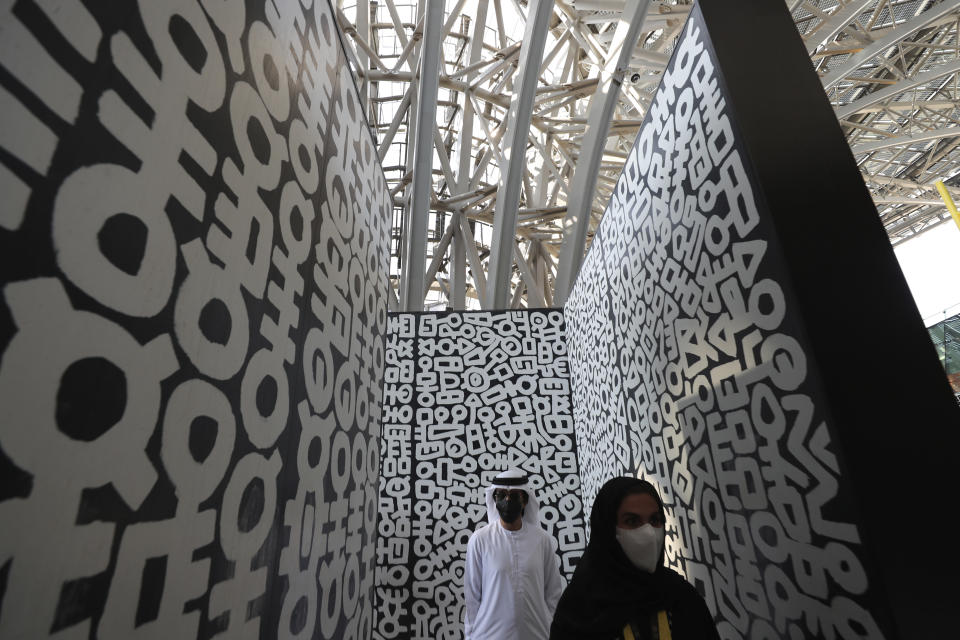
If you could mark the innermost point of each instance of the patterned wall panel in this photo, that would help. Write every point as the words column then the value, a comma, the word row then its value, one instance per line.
column 691, row 367
column 193, row 260
column 467, row 395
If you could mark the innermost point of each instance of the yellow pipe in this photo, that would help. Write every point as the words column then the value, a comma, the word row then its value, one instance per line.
column 951, row 207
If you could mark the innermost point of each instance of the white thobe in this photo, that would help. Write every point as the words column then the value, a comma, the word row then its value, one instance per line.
column 511, row 584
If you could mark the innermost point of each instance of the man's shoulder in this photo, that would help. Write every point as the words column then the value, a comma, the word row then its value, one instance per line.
column 479, row 535
column 545, row 539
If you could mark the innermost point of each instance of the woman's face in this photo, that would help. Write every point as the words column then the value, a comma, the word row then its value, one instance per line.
column 638, row 509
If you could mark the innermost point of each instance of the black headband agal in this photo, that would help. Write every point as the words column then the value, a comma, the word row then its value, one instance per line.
column 510, row 482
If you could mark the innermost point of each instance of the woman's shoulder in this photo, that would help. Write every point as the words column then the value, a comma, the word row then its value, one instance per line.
column 680, row 589
column 690, row 616
column 671, row 575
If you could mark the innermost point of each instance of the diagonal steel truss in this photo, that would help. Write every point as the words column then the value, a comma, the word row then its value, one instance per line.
column 506, row 217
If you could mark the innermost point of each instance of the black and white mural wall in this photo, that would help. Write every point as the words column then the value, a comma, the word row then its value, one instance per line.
column 467, row 395
column 193, row 288
column 707, row 356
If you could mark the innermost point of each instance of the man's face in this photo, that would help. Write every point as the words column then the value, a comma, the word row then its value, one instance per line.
column 510, row 504
column 500, row 495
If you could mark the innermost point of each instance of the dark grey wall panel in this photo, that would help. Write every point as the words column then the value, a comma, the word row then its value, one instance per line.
column 467, row 395
column 193, row 264
column 725, row 334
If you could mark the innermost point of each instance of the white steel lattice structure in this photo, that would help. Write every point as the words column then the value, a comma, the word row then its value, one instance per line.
column 533, row 105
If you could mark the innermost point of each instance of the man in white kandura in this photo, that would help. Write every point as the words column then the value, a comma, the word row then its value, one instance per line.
column 512, row 579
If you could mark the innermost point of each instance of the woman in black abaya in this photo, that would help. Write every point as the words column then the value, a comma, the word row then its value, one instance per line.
column 621, row 589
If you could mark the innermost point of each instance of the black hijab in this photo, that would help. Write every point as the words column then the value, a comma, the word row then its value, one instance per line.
column 607, row 591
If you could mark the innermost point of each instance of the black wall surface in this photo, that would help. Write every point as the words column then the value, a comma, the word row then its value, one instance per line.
column 193, row 260
column 467, row 395
column 738, row 305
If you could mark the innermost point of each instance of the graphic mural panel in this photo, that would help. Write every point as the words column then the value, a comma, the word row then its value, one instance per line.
column 193, row 264
column 692, row 367
column 467, row 395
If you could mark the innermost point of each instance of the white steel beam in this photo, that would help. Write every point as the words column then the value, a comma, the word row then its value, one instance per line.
column 393, row 303
column 445, row 81
column 914, row 201
column 912, row 105
column 362, row 44
column 418, row 210
column 408, row 49
column 511, row 174
column 439, row 250
column 542, row 278
column 548, row 163
column 458, row 267
column 903, row 141
column 927, row 220
column 534, row 293
column 347, row 28
column 394, row 125
column 896, row 89
column 397, row 24
column 501, row 28
column 879, row 46
column 646, row 58
column 444, row 158
column 497, row 58
column 452, row 19
column 476, row 268
column 830, row 28
column 492, row 138
column 909, row 184
column 517, row 295
column 584, row 182
column 363, row 30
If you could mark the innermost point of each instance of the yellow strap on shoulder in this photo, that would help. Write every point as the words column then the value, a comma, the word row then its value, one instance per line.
column 663, row 625
column 628, row 633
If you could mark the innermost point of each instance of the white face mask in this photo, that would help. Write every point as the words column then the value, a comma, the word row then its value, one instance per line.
column 642, row 546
